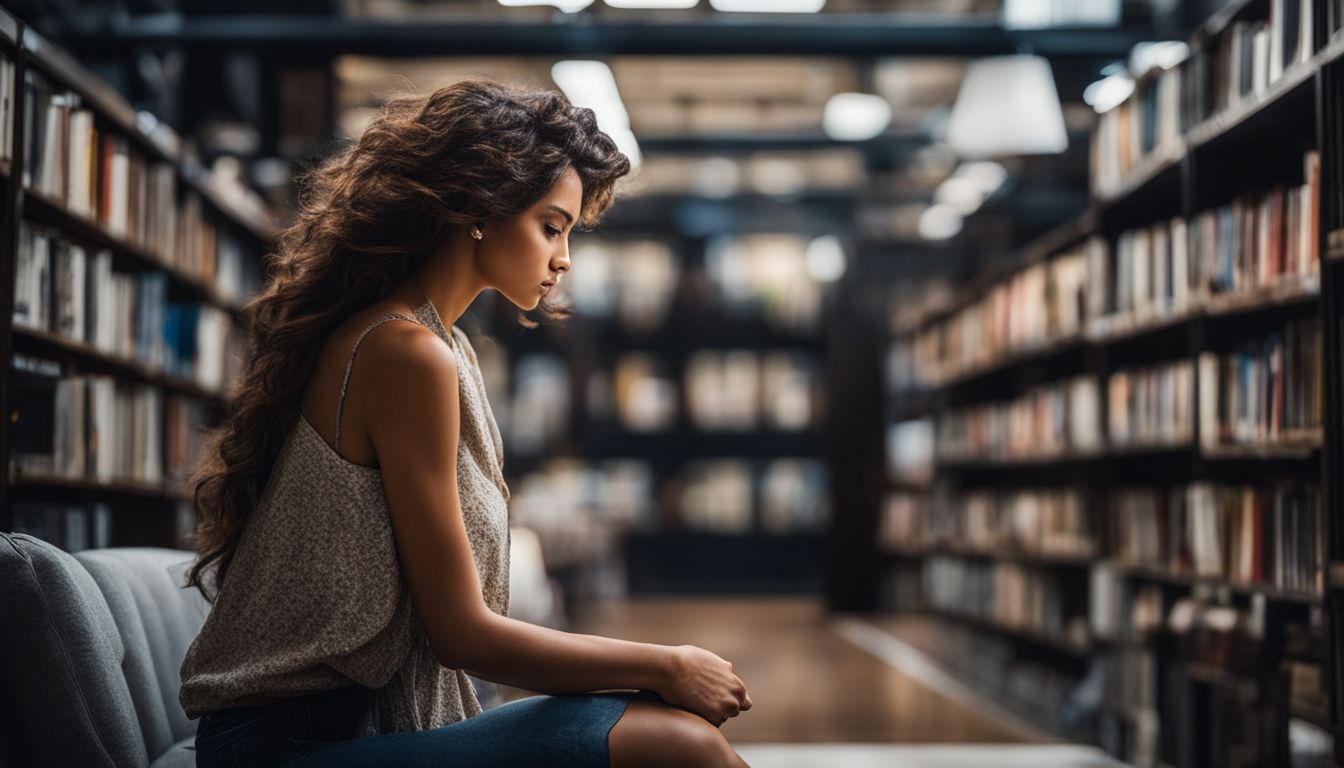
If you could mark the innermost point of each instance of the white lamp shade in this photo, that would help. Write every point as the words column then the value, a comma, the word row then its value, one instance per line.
column 1007, row 105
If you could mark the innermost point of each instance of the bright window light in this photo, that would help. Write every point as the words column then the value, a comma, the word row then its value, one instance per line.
column 855, row 116
column 567, row 6
column 649, row 4
column 1007, row 105
column 591, row 84
column 767, row 6
column 825, row 259
column 1109, row 92
column 939, row 222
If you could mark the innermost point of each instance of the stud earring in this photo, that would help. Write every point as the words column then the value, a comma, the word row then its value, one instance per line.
column 476, row 232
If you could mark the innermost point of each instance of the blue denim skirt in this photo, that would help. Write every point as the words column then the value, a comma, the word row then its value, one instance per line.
column 317, row 731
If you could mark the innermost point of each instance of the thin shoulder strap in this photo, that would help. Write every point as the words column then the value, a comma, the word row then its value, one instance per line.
column 345, row 380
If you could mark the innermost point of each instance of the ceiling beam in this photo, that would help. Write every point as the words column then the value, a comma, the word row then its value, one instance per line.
column 813, row 35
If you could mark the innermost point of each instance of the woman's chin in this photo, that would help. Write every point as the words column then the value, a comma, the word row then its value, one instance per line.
column 530, row 304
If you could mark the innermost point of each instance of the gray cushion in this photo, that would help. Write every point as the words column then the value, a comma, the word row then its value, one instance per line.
column 180, row 755
column 60, row 662
column 157, row 619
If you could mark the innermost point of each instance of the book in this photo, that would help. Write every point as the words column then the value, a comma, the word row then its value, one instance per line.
column 1037, row 305
column 72, row 527
column 1059, row 419
column 1152, row 405
column 1268, row 393
column 1270, row 535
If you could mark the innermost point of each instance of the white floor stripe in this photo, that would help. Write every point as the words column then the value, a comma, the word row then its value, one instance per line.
column 919, row 666
column 922, row 756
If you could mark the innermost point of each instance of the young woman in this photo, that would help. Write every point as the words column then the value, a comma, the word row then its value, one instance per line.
column 353, row 533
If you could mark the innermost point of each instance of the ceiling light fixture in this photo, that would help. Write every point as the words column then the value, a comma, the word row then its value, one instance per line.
column 590, row 84
column 567, row 6
column 1040, row 14
column 652, row 4
column 939, row 222
column 855, row 116
column 1109, row 92
column 1007, row 105
column 986, row 174
column 767, row 6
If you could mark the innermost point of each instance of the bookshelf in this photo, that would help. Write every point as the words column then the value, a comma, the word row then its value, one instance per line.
column 127, row 267
column 674, row 418
column 1186, row 387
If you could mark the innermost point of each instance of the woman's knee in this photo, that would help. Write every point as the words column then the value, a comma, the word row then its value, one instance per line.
column 654, row 734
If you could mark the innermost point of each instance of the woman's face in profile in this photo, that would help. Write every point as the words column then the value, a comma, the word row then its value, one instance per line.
column 517, row 255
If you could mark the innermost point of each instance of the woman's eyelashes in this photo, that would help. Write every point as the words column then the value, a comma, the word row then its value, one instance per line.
column 551, row 231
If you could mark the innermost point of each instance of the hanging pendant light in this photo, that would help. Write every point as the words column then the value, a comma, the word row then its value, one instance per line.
column 1007, row 105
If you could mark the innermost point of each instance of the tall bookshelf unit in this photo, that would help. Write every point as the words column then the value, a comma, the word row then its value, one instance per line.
column 749, row 556
column 1131, row 525
column 147, row 363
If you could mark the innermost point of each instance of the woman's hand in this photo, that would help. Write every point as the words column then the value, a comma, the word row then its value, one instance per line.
column 703, row 683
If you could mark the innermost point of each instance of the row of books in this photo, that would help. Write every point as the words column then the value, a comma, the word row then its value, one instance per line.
column 184, row 418
column 1046, row 522
column 84, row 426
column 910, row 365
column 1144, row 129
column 1233, row 68
column 633, row 282
column 736, row 496
column 1241, row 534
column 1044, row 302
column 578, row 508
column 7, row 105
column 763, row 276
column 72, row 527
column 1257, row 240
column 61, row 288
column 1151, row 405
column 97, row 175
column 1249, row 56
column 910, row 451
column 1058, row 419
column 1161, row 269
column 1009, row 595
column 1268, row 392
column 731, row 390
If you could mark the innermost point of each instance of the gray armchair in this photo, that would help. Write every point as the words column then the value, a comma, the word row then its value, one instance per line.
column 92, row 647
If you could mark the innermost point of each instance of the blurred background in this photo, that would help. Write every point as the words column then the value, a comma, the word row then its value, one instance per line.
column 957, row 369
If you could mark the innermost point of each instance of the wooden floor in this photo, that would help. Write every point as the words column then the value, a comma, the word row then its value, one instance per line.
column 808, row 683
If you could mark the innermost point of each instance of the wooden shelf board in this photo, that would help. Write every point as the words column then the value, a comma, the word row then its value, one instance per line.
column 42, row 210
column 44, row 342
column 1142, row 175
column 20, row 482
column 1231, row 118
column 1035, row 638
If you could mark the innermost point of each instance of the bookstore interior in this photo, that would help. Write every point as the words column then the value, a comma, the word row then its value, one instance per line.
column 970, row 373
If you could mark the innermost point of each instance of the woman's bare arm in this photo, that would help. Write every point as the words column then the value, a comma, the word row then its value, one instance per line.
column 413, row 420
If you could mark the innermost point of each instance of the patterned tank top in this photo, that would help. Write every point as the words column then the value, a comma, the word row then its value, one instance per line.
column 315, row 597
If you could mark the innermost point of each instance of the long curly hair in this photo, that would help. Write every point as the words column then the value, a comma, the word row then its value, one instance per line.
column 369, row 215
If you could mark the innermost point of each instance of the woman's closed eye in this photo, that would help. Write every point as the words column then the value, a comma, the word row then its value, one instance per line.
column 551, row 231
